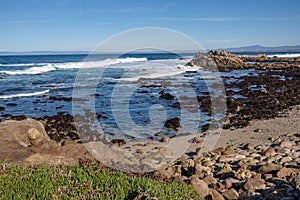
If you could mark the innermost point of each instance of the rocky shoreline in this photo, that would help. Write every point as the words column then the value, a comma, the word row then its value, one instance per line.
column 235, row 169
column 257, row 168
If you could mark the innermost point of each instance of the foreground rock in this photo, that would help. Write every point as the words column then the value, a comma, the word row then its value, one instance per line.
column 244, row 171
column 27, row 142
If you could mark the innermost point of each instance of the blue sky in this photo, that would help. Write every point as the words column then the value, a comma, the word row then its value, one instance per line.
column 36, row 25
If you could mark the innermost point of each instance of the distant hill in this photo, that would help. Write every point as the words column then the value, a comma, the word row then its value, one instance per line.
column 258, row 48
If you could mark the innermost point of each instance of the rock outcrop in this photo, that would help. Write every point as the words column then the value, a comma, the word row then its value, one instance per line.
column 218, row 60
column 27, row 142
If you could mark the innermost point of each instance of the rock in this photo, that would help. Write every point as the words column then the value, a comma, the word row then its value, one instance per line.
column 118, row 142
column 269, row 168
column 166, row 152
column 230, row 194
column 252, row 184
column 173, row 123
column 284, row 172
column 166, row 96
column 225, row 159
column 285, row 144
column 296, row 181
column 248, row 146
column 209, row 179
column 200, row 186
column 216, row 195
column 286, row 159
column 243, row 174
column 2, row 108
column 269, row 152
column 27, row 142
column 274, row 196
column 166, row 139
column 11, row 104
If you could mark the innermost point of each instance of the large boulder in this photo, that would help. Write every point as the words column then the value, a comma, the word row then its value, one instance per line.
column 27, row 142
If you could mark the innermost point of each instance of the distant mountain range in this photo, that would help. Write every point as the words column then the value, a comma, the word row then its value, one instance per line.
column 252, row 48
column 258, row 48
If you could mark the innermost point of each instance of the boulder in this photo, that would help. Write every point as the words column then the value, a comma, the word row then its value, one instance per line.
column 269, row 168
column 253, row 184
column 200, row 186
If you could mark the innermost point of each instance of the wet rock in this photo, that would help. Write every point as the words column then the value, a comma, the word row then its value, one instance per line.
column 173, row 123
column 166, row 96
column 2, row 108
column 118, row 142
column 11, row 104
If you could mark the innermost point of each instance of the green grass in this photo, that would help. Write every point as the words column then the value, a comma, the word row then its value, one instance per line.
column 82, row 182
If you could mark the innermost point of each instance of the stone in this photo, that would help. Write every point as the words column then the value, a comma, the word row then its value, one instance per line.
column 166, row 139
column 296, row 181
column 118, row 142
column 269, row 168
column 209, row 179
column 173, row 123
column 248, row 146
column 243, row 174
column 284, row 172
column 229, row 182
column 216, row 195
column 200, row 186
column 286, row 159
column 253, row 184
column 166, row 152
column 285, row 144
column 224, row 159
column 270, row 152
column 230, row 194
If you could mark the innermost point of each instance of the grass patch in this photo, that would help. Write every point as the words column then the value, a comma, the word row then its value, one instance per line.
column 83, row 182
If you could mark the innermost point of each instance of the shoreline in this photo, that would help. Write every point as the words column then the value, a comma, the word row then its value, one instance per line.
column 256, row 155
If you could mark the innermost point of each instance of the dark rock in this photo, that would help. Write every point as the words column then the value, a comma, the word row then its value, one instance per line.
column 166, row 96
column 173, row 123
column 11, row 104
column 119, row 142
column 2, row 108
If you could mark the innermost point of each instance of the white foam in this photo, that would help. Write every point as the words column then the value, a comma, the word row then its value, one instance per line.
column 44, row 67
column 32, row 70
column 287, row 55
column 23, row 64
column 155, row 69
column 24, row 94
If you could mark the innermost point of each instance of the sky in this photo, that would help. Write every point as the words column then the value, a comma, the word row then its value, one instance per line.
column 80, row 25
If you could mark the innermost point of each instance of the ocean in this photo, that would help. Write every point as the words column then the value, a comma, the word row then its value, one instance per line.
column 126, row 90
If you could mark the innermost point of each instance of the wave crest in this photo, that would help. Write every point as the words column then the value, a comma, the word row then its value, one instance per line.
column 71, row 65
column 24, row 94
